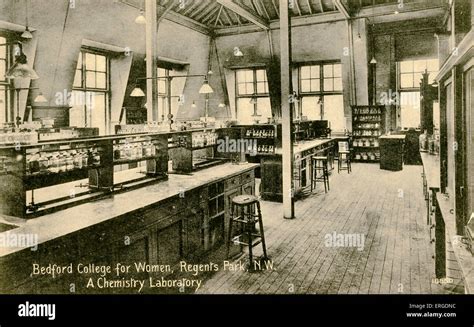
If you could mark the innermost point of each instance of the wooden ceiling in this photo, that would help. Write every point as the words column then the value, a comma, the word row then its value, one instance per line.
column 221, row 14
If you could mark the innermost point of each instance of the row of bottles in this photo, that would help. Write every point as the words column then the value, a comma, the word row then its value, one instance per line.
column 125, row 150
column 367, row 125
column 260, row 133
column 367, row 111
column 200, row 139
column 368, row 156
column 366, row 133
column 366, row 142
column 264, row 149
column 367, row 118
column 62, row 161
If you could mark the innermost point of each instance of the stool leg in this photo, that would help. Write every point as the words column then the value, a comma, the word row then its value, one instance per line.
column 262, row 234
column 349, row 165
column 327, row 177
column 229, row 233
column 249, row 232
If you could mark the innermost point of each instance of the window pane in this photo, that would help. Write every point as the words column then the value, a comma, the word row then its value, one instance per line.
column 419, row 66
column 101, row 81
column 410, row 109
column 76, row 113
column 90, row 79
column 90, row 61
column 261, row 75
column 242, row 89
column 315, row 85
column 161, row 86
column 261, row 88
column 240, row 76
column 78, row 78
column 432, row 65
column 245, row 111
column 311, row 108
column 97, row 113
column 79, row 61
column 406, row 80
column 334, row 112
column 337, row 70
column 327, row 71
column 406, row 66
column 338, row 84
column 161, row 72
column 249, row 75
column 305, row 72
column 3, row 104
column 2, row 70
column 328, row 84
column 305, row 86
column 417, row 79
column 315, row 71
column 264, row 109
column 101, row 64
column 249, row 88
column 436, row 115
column 3, row 51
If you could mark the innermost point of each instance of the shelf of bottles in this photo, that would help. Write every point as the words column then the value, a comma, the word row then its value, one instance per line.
column 260, row 139
column 134, row 149
column 203, row 139
column 367, row 127
column 28, row 168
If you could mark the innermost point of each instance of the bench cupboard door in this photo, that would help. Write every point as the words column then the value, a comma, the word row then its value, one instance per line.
column 135, row 249
column 169, row 243
column 194, row 223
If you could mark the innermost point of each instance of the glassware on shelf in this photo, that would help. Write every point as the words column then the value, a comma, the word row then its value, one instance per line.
column 43, row 163
column 69, row 161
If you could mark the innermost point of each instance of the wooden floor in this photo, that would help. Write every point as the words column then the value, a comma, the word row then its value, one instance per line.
column 386, row 207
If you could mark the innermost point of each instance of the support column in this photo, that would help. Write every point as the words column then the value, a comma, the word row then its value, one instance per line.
column 286, row 107
column 151, row 60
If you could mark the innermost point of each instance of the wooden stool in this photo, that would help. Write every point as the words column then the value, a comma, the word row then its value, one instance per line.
column 320, row 172
column 344, row 161
column 243, row 212
column 344, row 157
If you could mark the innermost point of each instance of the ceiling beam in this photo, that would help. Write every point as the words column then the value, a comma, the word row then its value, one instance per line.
column 341, row 8
column 259, row 21
column 309, row 7
column 276, row 9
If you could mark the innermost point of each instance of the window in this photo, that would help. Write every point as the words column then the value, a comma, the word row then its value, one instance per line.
column 409, row 78
column 320, row 88
column 163, row 92
column 4, row 83
column 411, row 72
column 91, row 91
column 253, row 101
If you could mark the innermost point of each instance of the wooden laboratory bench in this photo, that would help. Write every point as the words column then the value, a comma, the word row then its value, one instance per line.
column 182, row 218
column 271, row 166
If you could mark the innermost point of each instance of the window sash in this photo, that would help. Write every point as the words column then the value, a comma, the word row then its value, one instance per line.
column 251, row 82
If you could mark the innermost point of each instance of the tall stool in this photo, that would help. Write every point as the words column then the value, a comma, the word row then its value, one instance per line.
column 243, row 212
column 344, row 157
column 320, row 172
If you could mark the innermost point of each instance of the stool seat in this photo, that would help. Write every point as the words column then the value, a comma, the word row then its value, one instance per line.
column 244, row 199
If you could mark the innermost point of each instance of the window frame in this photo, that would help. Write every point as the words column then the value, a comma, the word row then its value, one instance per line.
column 255, row 93
column 412, row 89
column 322, row 92
column 7, row 83
column 84, row 88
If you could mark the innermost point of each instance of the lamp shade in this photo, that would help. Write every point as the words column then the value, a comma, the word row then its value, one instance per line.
column 140, row 20
column 237, row 52
column 27, row 34
column 373, row 61
column 21, row 69
column 221, row 105
column 206, row 88
column 40, row 98
column 137, row 92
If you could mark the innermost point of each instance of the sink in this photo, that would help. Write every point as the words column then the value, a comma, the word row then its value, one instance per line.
column 6, row 227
